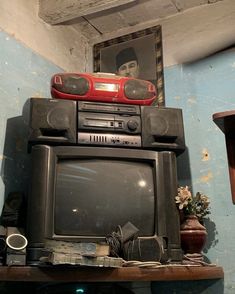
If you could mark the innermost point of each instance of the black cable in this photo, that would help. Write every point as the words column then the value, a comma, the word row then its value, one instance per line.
column 115, row 241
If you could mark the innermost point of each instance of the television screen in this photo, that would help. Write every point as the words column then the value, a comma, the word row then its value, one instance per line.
column 94, row 196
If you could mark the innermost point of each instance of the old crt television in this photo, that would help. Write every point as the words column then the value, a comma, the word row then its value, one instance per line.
column 82, row 194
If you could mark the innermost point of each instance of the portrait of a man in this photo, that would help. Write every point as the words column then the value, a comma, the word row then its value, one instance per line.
column 136, row 55
column 132, row 58
column 127, row 63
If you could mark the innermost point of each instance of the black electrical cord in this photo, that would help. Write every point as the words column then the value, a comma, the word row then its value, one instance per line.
column 115, row 241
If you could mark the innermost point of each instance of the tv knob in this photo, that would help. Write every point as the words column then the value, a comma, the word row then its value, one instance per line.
column 132, row 125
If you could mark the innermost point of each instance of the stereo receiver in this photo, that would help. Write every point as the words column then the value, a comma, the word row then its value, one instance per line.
column 58, row 121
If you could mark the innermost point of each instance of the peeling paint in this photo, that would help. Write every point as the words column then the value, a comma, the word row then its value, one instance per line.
column 205, row 155
column 214, row 93
column 207, row 177
column 192, row 100
column 37, row 95
column 177, row 97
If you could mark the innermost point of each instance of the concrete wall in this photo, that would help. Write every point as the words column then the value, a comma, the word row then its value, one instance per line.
column 30, row 53
column 201, row 89
column 61, row 44
column 23, row 74
column 187, row 36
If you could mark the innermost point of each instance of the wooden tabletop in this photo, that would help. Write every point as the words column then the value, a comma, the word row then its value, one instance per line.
column 225, row 121
column 91, row 274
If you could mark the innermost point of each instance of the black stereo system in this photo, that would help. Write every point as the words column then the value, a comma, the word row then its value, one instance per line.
column 69, row 140
column 68, row 122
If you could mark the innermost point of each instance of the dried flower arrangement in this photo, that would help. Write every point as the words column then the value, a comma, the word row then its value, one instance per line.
column 192, row 204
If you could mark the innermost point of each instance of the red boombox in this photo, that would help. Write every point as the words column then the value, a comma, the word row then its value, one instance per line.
column 102, row 87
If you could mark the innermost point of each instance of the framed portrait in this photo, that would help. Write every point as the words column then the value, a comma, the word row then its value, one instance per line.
column 145, row 46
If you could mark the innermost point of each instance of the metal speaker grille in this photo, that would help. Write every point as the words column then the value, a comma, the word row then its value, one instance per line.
column 137, row 90
column 73, row 85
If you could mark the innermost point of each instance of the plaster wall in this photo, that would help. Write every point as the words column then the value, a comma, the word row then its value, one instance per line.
column 201, row 89
column 30, row 52
column 63, row 45
column 187, row 36
column 23, row 74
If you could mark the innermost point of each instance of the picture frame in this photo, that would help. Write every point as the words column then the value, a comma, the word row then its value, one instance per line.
column 147, row 44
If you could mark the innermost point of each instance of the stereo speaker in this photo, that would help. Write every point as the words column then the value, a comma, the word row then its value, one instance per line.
column 16, row 246
column 15, row 239
column 70, row 84
column 162, row 129
column 52, row 120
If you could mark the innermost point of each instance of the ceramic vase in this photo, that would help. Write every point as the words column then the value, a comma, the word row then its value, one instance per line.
column 193, row 235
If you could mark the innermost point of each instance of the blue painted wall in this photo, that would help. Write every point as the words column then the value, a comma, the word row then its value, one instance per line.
column 23, row 74
column 201, row 89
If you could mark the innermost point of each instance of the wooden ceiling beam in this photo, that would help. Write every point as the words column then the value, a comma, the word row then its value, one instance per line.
column 58, row 11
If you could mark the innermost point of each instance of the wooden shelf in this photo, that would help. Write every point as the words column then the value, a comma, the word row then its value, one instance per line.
column 226, row 122
column 91, row 274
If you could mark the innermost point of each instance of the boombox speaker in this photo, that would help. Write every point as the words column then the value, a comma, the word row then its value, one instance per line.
column 162, row 129
column 52, row 121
